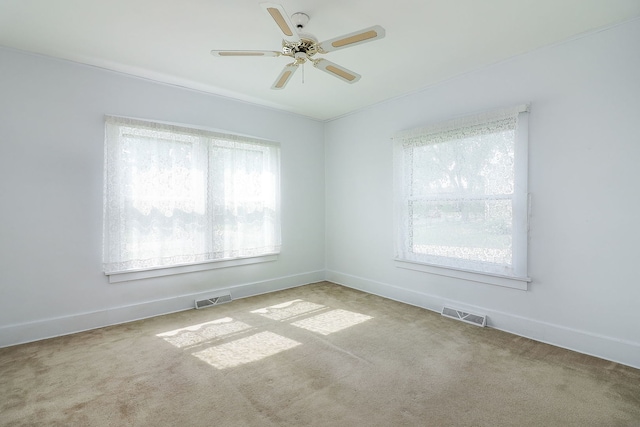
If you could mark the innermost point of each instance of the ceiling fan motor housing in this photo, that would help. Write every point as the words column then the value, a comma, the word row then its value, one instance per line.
column 308, row 45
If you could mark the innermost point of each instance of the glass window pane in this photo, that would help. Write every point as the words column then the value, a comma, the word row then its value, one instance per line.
column 481, row 164
column 470, row 230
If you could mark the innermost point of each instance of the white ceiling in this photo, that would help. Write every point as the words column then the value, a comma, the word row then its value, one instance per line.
column 427, row 41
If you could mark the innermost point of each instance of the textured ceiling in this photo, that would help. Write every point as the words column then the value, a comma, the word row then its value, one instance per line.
column 427, row 41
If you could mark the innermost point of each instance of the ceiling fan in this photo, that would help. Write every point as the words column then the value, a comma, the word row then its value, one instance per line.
column 302, row 47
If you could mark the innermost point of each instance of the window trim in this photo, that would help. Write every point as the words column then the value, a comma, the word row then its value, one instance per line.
column 126, row 276
column 520, row 283
column 520, row 200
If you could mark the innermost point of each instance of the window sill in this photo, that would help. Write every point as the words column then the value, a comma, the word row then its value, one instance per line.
column 126, row 276
column 520, row 283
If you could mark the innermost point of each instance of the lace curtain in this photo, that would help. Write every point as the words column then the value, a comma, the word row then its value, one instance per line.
column 175, row 196
column 459, row 195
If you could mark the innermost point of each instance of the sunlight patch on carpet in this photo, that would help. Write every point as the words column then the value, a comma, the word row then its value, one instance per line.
column 288, row 310
column 245, row 350
column 197, row 334
column 332, row 321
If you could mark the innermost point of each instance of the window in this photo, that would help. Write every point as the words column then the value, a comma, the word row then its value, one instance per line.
column 176, row 196
column 461, row 195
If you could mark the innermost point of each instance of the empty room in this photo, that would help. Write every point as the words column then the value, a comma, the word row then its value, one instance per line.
column 319, row 213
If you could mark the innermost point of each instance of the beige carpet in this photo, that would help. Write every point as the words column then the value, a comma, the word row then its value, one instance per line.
column 318, row 355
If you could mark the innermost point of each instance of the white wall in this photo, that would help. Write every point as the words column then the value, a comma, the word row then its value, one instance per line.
column 51, row 166
column 584, row 152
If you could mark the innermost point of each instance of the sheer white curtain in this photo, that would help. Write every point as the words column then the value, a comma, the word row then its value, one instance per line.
column 460, row 190
column 175, row 196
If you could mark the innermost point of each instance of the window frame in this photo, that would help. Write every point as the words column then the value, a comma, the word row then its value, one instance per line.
column 214, row 139
column 405, row 258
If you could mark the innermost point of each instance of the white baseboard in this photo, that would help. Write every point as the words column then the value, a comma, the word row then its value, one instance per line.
column 53, row 327
column 613, row 349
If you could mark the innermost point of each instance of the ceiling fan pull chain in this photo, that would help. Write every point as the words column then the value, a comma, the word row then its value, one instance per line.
column 302, row 73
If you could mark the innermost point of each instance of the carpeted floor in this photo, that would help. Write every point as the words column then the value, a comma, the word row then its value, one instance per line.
column 318, row 355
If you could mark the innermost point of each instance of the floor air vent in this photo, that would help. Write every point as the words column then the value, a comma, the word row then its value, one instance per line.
column 474, row 319
column 210, row 302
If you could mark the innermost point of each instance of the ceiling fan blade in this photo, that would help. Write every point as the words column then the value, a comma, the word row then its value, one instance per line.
column 284, row 77
column 280, row 16
column 245, row 53
column 363, row 36
column 337, row 70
